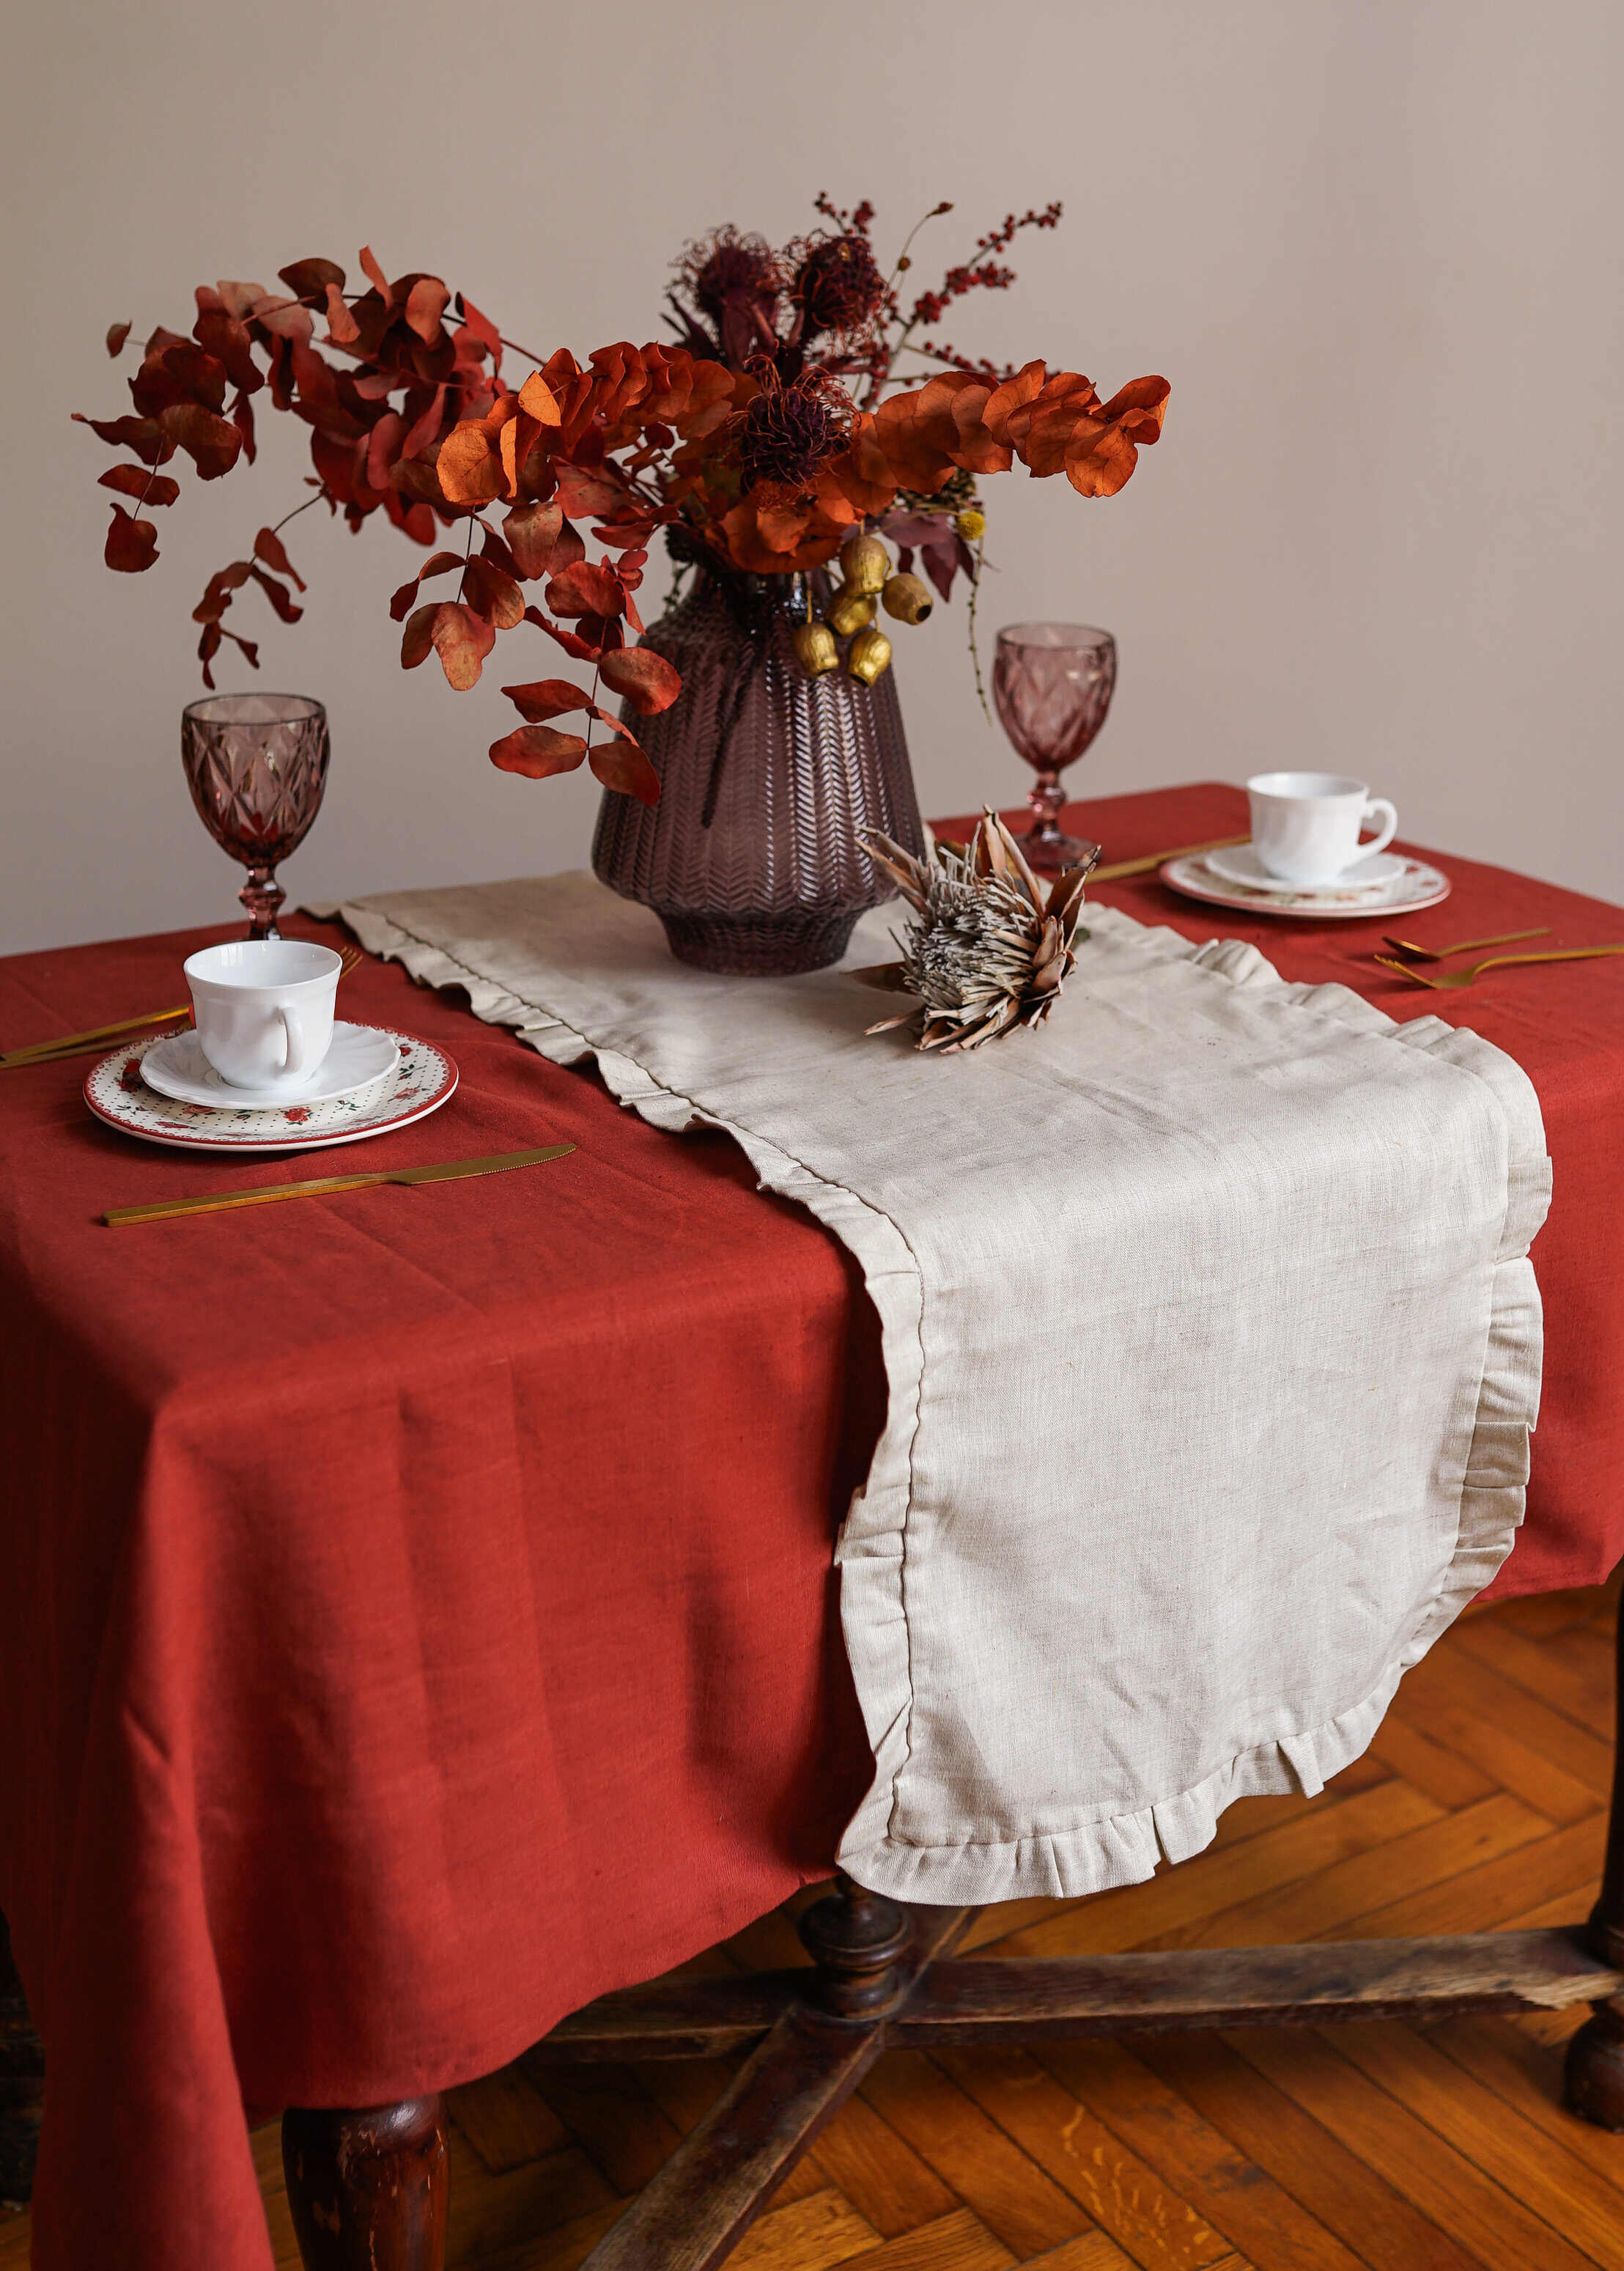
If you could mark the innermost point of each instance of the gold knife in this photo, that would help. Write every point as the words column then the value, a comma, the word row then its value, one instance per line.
column 1114, row 874
column 102, row 1036
column 101, row 1048
column 215, row 1202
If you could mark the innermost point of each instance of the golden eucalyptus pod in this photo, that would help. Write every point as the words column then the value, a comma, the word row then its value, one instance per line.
column 907, row 598
column 971, row 523
column 865, row 564
column 815, row 649
column 850, row 612
column 869, row 655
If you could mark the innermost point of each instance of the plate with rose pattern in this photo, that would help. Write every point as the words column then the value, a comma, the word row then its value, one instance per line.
column 422, row 1081
column 1415, row 885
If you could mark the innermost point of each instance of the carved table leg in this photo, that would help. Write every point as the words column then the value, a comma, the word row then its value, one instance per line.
column 367, row 2188
column 869, row 1952
column 856, row 1939
column 1596, row 2054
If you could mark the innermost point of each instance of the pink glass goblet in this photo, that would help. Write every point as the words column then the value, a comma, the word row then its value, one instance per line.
column 256, row 765
column 1052, row 683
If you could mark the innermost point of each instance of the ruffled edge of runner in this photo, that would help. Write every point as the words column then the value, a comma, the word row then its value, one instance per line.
column 1118, row 1849
column 1107, row 1850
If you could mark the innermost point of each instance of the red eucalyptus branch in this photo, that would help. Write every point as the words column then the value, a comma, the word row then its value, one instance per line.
column 747, row 434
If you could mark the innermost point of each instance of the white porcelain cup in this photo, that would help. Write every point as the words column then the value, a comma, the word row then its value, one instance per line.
column 1305, row 826
column 264, row 1010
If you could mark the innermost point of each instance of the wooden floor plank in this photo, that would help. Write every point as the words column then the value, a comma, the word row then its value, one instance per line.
column 810, row 2235
column 1549, row 2180
column 1095, row 2250
column 1146, row 2216
column 1334, row 1897
column 1220, row 2182
column 506, row 2119
column 1496, row 2228
column 606, row 2110
column 1573, row 1674
column 1014, row 2199
column 499, row 2212
column 1557, row 1766
column 955, row 2242
column 1310, row 2161
column 1487, row 1898
column 1528, row 2075
column 1447, row 1779
column 880, row 2174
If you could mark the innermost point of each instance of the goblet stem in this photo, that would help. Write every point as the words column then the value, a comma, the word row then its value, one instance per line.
column 262, row 896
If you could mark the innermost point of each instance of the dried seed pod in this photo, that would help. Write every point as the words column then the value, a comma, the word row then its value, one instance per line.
column 869, row 655
column 850, row 612
column 865, row 564
column 815, row 650
column 907, row 598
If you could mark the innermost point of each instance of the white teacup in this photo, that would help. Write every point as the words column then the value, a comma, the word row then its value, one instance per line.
column 264, row 1010
column 1305, row 826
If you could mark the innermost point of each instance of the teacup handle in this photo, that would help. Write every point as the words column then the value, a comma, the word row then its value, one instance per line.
column 300, row 1056
column 1375, row 806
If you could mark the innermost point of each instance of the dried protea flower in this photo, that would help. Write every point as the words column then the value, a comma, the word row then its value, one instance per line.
column 787, row 432
column 735, row 281
column 991, row 947
column 836, row 285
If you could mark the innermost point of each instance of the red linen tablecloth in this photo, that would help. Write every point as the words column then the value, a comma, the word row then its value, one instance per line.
column 416, row 1613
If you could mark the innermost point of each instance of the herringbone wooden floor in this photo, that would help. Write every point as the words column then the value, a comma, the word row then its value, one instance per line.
column 1481, row 1803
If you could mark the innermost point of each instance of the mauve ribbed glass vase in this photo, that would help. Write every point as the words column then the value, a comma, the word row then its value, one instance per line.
column 751, row 858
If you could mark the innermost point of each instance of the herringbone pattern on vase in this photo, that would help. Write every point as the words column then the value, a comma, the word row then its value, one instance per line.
column 1392, row 2147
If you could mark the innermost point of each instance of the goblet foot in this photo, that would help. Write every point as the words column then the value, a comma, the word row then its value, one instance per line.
column 262, row 896
column 1048, row 849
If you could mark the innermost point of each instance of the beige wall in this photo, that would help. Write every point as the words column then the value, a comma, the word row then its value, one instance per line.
column 1374, row 247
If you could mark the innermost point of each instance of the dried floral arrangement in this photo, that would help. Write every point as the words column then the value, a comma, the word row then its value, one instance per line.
column 992, row 945
column 775, row 433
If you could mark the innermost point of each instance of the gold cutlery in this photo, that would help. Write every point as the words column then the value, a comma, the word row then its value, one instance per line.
column 216, row 1202
column 101, row 1036
column 78, row 1049
column 1142, row 867
column 1413, row 953
column 1446, row 978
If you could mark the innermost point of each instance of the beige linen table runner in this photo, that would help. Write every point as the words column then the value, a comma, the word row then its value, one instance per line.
column 1212, row 1341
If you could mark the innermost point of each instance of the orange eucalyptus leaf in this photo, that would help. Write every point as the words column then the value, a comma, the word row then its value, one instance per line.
column 137, row 481
column 461, row 640
column 342, row 327
column 648, row 682
column 537, row 751
column 588, row 588
column 538, row 400
column 268, row 547
column 131, row 544
column 546, row 698
column 491, row 594
column 426, row 304
column 621, row 764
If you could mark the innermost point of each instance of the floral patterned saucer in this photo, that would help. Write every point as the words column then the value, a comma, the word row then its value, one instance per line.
column 422, row 1081
column 1414, row 885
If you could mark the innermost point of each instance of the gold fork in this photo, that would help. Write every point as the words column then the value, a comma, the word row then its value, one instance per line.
column 1445, row 979
column 1413, row 953
column 66, row 1045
